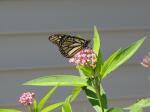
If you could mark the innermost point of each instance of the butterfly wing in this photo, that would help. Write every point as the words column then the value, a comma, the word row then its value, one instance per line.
column 68, row 45
column 55, row 38
column 71, row 45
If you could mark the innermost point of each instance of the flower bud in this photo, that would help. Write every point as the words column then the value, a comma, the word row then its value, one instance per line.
column 26, row 99
column 85, row 57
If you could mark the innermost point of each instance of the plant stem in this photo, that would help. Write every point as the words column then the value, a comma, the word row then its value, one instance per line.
column 29, row 108
column 100, row 97
column 96, row 85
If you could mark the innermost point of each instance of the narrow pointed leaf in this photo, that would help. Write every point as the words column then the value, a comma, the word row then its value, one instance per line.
column 88, row 72
column 123, row 56
column 116, row 110
column 138, row 107
column 99, row 63
column 97, row 49
column 104, row 98
column 75, row 93
column 62, row 80
column 45, row 98
column 9, row 110
column 62, row 109
column 92, row 97
column 109, row 61
column 35, row 105
column 96, row 41
column 82, row 73
column 52, row 107
column 67, row 106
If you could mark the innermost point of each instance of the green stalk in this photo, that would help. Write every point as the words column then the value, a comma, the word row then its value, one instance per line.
column 29, row 108
column 99, row 95
column 96, row 84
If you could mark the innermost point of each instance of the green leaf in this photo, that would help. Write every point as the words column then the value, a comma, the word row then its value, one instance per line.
column 67, row 106
column 96, row 41
column 73, row 96
column 75, row 93
column 123, row 56
column 92, row 97
column 138, row 107
column 109, row 61
column 88, row 72
column 9, row 110
column 52, row 107
column 97, row 49
column 62, row 80
column 115, row 110
column 35, row 105
column 45, row 98
column 99, row 64
column 104, row 98
column 62, row 110
column 82, row 74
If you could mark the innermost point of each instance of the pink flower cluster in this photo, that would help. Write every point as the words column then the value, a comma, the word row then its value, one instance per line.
column 27, row 98
column 84, row 57
column 146, row 61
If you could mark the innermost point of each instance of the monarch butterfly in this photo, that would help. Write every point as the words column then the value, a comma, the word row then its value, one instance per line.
column 68, row 45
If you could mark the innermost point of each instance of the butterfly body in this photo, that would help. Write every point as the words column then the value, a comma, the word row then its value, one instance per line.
column 68, row 45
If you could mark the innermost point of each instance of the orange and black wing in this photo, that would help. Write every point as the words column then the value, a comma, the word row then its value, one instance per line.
column 71, row 46
column 68, row 45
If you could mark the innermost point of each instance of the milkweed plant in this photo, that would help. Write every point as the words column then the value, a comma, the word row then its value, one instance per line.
column 92, row 69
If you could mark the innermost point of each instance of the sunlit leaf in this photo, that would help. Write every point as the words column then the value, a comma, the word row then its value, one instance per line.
column 9, row 110
column 97, row 49
column 62, row 80
column 96, row 41
column 123, row 56
column 75, row 93
column 88, row 72
column 138, row 107
column 67, row 106
column 52, row 107
column 45, row 98
column 35, row 105
column 92, row 97
column 109, row 61
column 115, row 110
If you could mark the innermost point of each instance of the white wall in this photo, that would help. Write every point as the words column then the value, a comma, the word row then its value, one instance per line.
column 55, row 15
column 26, row 53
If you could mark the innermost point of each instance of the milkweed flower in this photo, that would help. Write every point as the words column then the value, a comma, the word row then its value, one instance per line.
column 146, row 61
column 85, row 57
column 26, row 99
